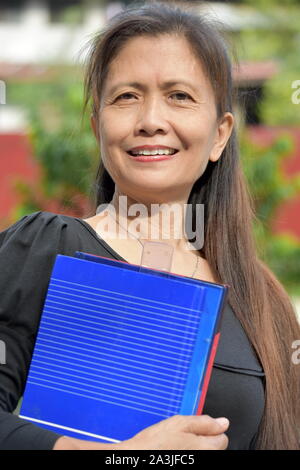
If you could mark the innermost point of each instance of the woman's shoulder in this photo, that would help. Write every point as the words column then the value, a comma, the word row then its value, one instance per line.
column 40, row 236
column 31, row 222
column 40, row 227
column 28, row 249
column 34, row 220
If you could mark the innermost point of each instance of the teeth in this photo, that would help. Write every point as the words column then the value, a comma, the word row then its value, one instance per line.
column 153, row 152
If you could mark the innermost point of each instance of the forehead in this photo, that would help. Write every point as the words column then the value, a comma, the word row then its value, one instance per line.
column 155, row 59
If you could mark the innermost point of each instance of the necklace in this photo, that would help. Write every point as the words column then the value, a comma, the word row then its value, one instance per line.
column 142, row 244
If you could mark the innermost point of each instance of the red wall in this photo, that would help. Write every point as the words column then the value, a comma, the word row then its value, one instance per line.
column 15, row 162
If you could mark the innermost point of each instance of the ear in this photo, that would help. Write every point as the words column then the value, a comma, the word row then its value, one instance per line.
column 94, row 126
column 223, row 133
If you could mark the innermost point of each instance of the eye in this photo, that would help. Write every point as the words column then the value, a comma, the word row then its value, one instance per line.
column 124, row 94
column 184, row 95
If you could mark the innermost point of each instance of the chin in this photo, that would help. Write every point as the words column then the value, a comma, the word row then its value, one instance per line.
column 143, row 187
column 151, row 186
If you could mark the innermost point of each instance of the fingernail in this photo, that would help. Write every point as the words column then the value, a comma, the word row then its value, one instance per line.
column 222, row 421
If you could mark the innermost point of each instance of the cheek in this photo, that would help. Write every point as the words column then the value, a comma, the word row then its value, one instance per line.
column 111, row 137
column 198, row 139
column 115, row 128
column 200, row 143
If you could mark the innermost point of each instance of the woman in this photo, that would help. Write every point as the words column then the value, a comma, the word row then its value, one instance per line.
column 159, row 76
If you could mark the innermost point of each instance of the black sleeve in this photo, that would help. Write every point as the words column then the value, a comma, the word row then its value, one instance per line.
column 27, row 253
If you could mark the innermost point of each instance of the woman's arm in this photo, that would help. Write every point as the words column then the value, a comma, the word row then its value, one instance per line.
column 19, row 434
column 27, row 253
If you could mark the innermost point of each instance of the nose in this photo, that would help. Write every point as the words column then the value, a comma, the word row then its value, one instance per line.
column 152, row 117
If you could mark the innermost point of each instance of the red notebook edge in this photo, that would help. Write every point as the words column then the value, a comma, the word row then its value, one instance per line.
column 213, row 353
column 208, row 373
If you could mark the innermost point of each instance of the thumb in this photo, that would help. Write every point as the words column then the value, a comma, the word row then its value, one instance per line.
column 207, row 426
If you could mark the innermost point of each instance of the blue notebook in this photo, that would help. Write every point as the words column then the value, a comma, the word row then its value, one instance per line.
column 120, row 347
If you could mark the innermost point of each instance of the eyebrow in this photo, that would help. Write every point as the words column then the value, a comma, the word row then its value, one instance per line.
column 142, row 87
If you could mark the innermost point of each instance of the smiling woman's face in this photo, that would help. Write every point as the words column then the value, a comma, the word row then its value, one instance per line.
column 139, row 108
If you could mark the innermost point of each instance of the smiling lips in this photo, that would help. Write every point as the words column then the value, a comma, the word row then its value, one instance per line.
column 152, row 150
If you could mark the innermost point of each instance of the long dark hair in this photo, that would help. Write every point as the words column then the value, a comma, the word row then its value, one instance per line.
column 256, row 296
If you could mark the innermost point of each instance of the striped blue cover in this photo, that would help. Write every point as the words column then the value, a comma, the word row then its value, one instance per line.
column 119, row 348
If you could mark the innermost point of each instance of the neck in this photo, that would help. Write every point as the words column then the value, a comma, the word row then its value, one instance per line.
column 151, row 222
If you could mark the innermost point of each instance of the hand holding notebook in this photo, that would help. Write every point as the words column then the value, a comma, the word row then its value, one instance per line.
column 176, row 433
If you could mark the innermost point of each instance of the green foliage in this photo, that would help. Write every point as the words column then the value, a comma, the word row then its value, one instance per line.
column 62, row 141
column 284, row 256
column 263, row 169
column 277, row 39
column 270, row 188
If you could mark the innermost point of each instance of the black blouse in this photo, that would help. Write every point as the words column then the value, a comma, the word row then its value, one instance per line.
column 27, row 254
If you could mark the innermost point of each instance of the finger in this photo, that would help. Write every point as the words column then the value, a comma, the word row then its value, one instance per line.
column 205, row 425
